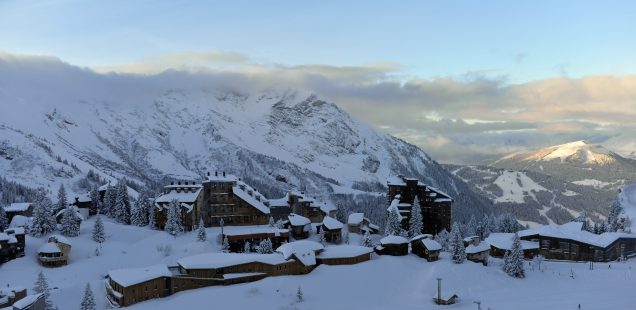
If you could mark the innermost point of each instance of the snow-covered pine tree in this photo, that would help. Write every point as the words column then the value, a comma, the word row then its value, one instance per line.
column 271, row 222
column 442, row 238
column 485, row 227
column 366, row 240
column 94, row 207
column 70, row 224
column 88, row 301
column 299, row 295
column 393, row 225
column 613, row 216
column 109, row 200
column 225, row 246
column 345, row 237
column 280, row 224
column 247, row 247
column 4, row 220
column 173, row 218
column 415, row 221
column 266, row 247
column 43, row 221
column 42, row 287
column 470, row 228
column 341, row 214
column 61, row 198
column 201, row 234
column 151, row 217
column 458, row 251
column 513, row 263
column 98, row 235
column 122, row 203
column 139, row 211
column 321, row 236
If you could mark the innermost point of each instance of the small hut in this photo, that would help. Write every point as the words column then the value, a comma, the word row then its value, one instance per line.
column 393, row 245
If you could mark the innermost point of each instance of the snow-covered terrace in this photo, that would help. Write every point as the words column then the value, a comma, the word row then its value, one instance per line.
column 222, row 260
column 133, row 276
column 344, row 251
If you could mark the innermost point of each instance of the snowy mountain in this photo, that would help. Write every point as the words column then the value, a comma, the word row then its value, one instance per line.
column 60, row 121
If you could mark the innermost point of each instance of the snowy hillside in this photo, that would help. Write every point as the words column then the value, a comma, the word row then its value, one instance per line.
column 60, row 121
column 536, row 198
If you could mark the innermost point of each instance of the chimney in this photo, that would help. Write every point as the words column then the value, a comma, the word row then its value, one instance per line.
column 171, row 183
column 216, row 173
column 208, row 173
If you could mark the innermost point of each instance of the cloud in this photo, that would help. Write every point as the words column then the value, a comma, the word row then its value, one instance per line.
column 463, row 119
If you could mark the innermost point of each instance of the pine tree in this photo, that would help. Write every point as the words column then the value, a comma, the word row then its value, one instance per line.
column 442, row 238
column 271, row 222
column 94, row 207
column 485, row 227
column 321, row 236
column 366, row 240
column 613, row 217
column 88, row 302
column 98, row 234
column 151, row 217
column 201, row 234
column 122, row 203
column 4, row 220
column 299, row 295
column 415, row 222
column 173, row 218
column 513, row 261
column 43, row 221
column 471, row 227
column 225, row 247
column 458, row 251
column 341, row 215
column 139, row 212
column 42, row 287
column 247, row 247
column 392, row 226
column 61, row 198
column 265, row 247
column 70, row 223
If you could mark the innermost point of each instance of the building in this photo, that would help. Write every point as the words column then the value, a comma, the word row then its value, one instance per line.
column 30, row 302
column 189, row 197
column 83, row 203
column 18, row 208
column 55, row 252
column 425, row 247
column 436, row 205
column 125, row 287
column 500, row 243
column 477, row 250
column 77, row 211
column 359, row 224
column 332, row 229
column 570, row 242
column 304, row 251
column 393, row 245
column 300, row 226
column 10, row 295
column 237, row 236
column 304, row 205
column 344, row 255
column 12, row 244
column 229, row 201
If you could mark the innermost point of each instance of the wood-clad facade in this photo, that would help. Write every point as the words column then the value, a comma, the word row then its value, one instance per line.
column 190, row 199
column 125, row 296
column 436, row 206
column 575, row 250
column 344, row 260
column 12, row 244
column 223, row 204
column 237, row 241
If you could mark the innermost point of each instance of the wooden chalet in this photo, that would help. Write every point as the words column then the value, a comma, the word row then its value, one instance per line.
column 425, row 247
column 299, row 226
column 393, row 245
column 10, row 295
column 500, row 243
column 570, row 242
column 18, row 208
column 436, row 205
column 189, row 196
column 83, row 203
column 125, row 287
column 332, row 229
column 344, row 255
column 12, row 244
column 30, row 302
column 309, row 207
column 229, row 201
column 237, row 236
column 304, row 251
column 55, row 252
column 477, row 250
column 359, row 224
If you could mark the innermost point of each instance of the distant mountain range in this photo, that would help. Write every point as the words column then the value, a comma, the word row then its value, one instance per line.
column 60, row 121
column 553, row 184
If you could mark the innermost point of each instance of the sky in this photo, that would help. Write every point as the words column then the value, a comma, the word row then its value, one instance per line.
column 465, row 80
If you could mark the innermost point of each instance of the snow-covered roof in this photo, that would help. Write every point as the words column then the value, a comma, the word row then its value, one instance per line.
column 395, row 180
column 280, row 202
column 186, row 199
column 17, row 207
column 481, row 247
column 504, row 241
column 568, row 231
column 431, row 245
column 327, row 207
column 355, row 218
column 344, row 251
column 26, row 302
column 19, row 221
column 331, row 223
column 4, row 237
column 430, row 188
column 220, row 177
column 298, row 220
column 443, row 200
column 133, row 276
column 422, row 236
column 15, row 230
column 78, row 214
column 49, row 247
column 251, row 198
column 86, row 197
column 393, row 240
column 303, row 250
column 222, row 260
column 252, row 230
column 59, row 239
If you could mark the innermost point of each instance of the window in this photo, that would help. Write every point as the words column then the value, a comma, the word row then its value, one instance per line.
column 545, row 244
column 564, row 246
